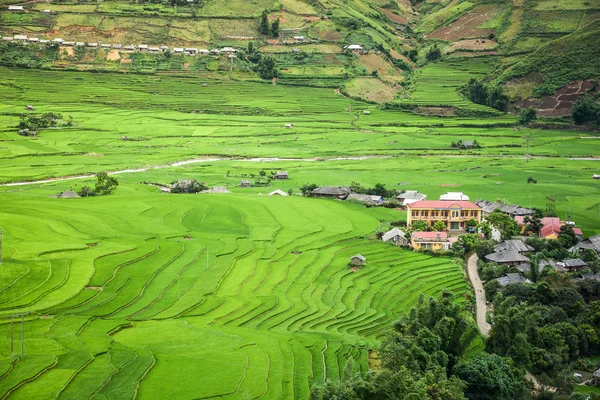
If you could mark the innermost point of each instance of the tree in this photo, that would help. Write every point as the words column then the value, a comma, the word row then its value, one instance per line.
column 486, row 229
column 266, row 68
column 419, row 226
column 105, row 184
column 534, row 222
column 585, row 109
column 264, row 23
column 434, row 53
column 308, row 188
column 567, row 237
column 526, row 115
column 439, row 226
column 489, row 376
column 262, row 172
column 275, row 28
column 86, row 191
column 504, row 223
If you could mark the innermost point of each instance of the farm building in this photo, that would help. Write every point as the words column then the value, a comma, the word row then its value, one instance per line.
column 278, row 192
column 365, row 198
column 215, row 52
column 510, row 258
column 106, row 45
column 550, row 227
column 513, row 210
column 454, row 196
column 67, row 43
column 230, row 50
column 357, row 260
column 178, row 50
column 7, row 38
column 568, row 265
column 513, row 245
column 16, row 8
column 454, row 214
column 289, row 126
column 511, row 279
column 33, row 40
column 69, row 194
column 245, row 183
column 410, row 196
column 142, row 47
column 596, row 176
column 46, row 11
column 29, row 107
column 430, row 241
column 57, row 40
column 353, row 47
column 21, row 38
column 185, row 186
column 164, row 49
column 92, row 45
column 190, row 50
column 117, row 46
column 299, row 38
column 332, row 192
column 468, row 144
column 593, row 242
column 366, row 112
column 396, row 237
column 281, row 175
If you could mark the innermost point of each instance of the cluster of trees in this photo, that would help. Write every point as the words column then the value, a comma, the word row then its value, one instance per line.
column 424, row 358
column 379, row 190
column 526, row 115
column 489, row 95
column 105, row 184
column 586, row 110
column 29, row 125
column 265, row 28
column 434, row 53
column 546, row 326
column 264, row 66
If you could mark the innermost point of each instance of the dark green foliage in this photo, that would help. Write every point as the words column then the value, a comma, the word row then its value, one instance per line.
column 567, row 237
column 379, row 190
column 264, row 23
column 308, row 188
column 420, row 226
column 266, row 68
column 504, row 223
column 434, row 53
column 105, row 184
column 275, row 28
column 489, row 95
column 584, row 110
column 34, row 122
column 489, row 376
column 526, row 115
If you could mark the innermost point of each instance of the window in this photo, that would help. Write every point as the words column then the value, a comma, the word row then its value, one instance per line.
column 415, row 213
column 454, row 225
column 426, row 213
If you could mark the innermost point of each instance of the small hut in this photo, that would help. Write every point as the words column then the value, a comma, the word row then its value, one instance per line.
column 245, row 183
column 357, row 260
column 278, row 192
column 69, row 194
column 281, row 175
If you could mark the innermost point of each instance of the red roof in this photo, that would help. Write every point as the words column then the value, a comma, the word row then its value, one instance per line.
column 429, row 235
column 443, row 204
column 520, row 219
column 577, row 231
column 549, row 230
column 550, row 221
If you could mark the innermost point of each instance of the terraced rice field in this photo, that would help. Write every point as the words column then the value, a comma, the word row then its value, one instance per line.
column 190, row 296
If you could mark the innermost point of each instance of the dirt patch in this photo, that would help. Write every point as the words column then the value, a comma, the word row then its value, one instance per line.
column 98, row 288
column 449, row 184
column 113, row 55
column 471, row 44
column 395, row 18
column 442, row 111
column 126, row 61
column 68, row 51
column 466, row 26
column 311, row 18
column 560, row 102
column 355, row 269
column 186, row 65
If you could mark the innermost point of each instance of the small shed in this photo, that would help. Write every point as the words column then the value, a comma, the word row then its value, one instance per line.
column 334, row 192
column 511, row 279
column 278, row 192
column 396, row 237
column 366, row 112
column 468, row 144
column 29, row 107
column 357, row 260
column 365, row 198
column 289, row 126
column 245, row 183
column 281, row 175
column 185, row 186
column 596, row 176
column 16, row 8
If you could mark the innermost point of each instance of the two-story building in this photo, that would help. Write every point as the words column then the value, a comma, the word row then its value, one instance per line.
column 454, row 214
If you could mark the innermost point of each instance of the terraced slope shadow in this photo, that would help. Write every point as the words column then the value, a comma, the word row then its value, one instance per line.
column 120, row 297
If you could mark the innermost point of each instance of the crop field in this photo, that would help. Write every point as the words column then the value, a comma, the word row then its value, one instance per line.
column 254, row 285
column 245, row 295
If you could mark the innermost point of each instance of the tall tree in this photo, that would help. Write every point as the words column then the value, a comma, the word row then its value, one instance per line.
column 264, row 23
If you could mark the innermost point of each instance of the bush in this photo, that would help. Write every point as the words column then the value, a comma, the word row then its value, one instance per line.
column 488, row 95
column 585, row 110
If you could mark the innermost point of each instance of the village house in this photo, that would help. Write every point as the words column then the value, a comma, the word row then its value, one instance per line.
column 454, row 214
column 454, row 196
column 245, row 183
column 16, row 8
column 365, row 198
column 353, row 47
column 513, row 245
column 278, row 192
column 281, row 175
column 593, row 243
column 410, row 196
column 550, row 228
column 69, row 194
column 430, row 241
column 596, row 176
column 511, row 279
column 396, row 237
column 510, row 258
column 230, row 50
column 142, row 47
column 514, row 210
column 117, row 46
column 357, row 260
column 178, row 50
column 190, row 50
column 332, row 192
column 22, row 38
column 568, row 265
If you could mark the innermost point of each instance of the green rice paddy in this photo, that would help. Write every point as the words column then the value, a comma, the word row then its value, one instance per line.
column 238, row 295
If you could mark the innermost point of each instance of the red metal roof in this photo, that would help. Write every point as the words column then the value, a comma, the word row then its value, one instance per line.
column 429, row 235
column 443, row 204
column 577, row 231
